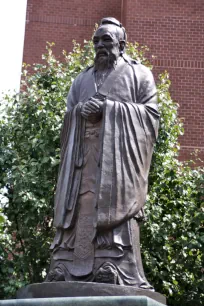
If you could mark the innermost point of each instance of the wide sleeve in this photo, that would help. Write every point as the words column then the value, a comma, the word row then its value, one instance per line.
column 71, row 158
column 129, row 132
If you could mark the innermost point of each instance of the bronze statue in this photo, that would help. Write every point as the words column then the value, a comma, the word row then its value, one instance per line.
column 107, row 142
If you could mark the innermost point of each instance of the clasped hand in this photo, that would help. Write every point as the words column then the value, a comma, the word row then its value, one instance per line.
column 92, row 110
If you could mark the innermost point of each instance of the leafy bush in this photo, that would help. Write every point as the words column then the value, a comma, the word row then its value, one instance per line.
column 30, row 125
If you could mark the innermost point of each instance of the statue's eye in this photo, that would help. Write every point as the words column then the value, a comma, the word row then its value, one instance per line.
column 107, row 38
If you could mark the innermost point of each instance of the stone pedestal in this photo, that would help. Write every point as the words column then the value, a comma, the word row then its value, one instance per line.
column 85, row 301
column 82, row 289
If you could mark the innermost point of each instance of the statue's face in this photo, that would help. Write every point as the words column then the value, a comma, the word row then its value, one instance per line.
column 106, row 43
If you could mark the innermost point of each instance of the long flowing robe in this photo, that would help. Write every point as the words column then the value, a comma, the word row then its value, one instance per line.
column 128, row 132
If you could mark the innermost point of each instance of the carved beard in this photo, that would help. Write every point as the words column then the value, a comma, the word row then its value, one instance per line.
column 104, row 62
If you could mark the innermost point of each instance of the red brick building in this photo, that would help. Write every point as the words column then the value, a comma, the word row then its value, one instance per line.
column 173, row 29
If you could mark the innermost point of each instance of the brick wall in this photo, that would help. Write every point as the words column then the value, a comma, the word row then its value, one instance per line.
column 174, row 31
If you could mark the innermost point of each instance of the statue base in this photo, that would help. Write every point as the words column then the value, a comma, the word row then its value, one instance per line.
column 85, row 301
column 82, row 289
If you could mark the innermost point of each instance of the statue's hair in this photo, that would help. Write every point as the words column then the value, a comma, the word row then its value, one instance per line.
column 121, row 33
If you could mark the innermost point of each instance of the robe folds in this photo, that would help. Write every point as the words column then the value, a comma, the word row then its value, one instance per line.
column 128, row 132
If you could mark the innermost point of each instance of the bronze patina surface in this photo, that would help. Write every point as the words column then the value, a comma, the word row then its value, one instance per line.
column 107, row 140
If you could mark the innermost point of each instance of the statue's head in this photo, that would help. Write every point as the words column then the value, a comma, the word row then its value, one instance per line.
column 109, row 42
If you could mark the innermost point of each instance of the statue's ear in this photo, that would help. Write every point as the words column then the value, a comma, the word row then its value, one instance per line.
column 122, row 45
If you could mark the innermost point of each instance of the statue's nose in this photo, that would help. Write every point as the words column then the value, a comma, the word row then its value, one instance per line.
column 100, row 44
